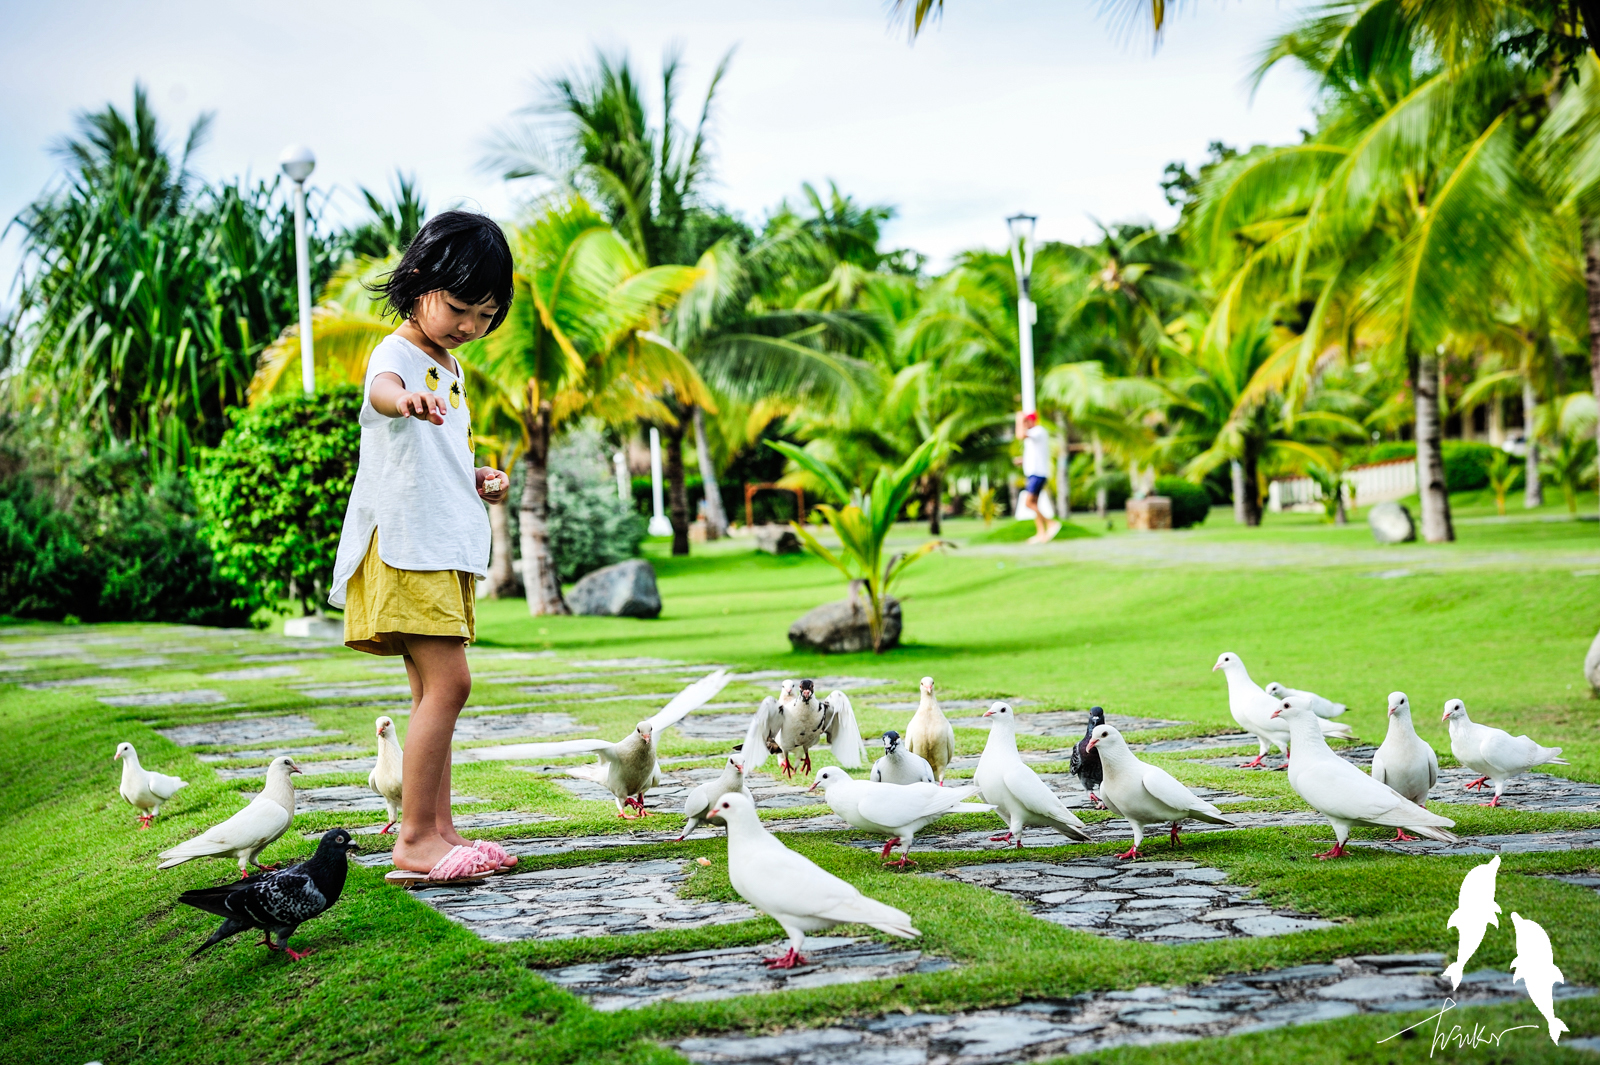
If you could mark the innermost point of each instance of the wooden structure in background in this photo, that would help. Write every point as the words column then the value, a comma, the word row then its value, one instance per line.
column 751, row 489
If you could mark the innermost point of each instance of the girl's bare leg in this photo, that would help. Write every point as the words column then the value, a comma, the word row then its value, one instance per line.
column 438, row 665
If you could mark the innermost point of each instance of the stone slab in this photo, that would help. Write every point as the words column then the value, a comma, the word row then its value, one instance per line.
column 488, row 726
column 708, row 975
column 75, row 682
column 246, row 730
column 255, row 673
column 715, row 726
column 352, row 797
column 352, row 691
column 1154, row 901
column 467, row 822
column 268, row 753
column 1069, row 723
column 671, row 795
column 196, row 697
column 1101, row 1021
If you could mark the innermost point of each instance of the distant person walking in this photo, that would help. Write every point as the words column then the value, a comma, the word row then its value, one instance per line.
column 1036, row 468
column 415, row 532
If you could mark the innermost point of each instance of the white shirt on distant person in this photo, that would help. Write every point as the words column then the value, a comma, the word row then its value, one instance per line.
column 1036, row 453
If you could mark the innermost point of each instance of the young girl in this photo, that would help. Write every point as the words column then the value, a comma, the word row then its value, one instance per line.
column 415, row 534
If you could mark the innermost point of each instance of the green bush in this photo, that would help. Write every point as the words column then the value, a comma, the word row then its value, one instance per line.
column 274, row 492
column 589, row 526
column 1190, row 502
column 1466, row 462
column 1118, row 489
column 107, row 545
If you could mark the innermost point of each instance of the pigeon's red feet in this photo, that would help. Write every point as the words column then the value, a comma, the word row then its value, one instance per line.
column 1000, row 839
column 1336, row 852
column 1131, row 852
column 296, row 955
column 384, row 831
column 144, row 820
column 623, row 813
column 888, row 846
column 788, row 961
column 1253, row 763
column 1019, row 841
column 1175, row 834
column 788, row 770
column 267, row 868
column 1400, row 836
column 1480, row 782
column 806, row 768
column 1492, row 802
column 905, row 860
column 266, row 941
column 1099, row 804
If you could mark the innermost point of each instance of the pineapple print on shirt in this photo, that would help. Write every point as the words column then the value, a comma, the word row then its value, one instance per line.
column 455, row 393
column 432, row 377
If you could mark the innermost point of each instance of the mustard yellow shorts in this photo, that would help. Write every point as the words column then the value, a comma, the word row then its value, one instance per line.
column 383, row 604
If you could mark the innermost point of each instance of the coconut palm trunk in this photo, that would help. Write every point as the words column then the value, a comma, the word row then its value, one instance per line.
column 1247, row 485
column 1099, row 472
column 539, row 581
column 1063, row 472
column 1532, row 486
column 1436, row 524
column 677, row 491
column 716, row 517
column 935, row 502
column 502, row 581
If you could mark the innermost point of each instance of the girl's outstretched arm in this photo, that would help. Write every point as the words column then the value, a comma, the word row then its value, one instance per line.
column 390, row 398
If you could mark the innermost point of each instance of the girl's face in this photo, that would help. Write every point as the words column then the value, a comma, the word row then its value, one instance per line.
column 450, row 322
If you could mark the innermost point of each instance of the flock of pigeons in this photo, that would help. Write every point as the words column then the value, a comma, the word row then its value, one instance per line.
column 904, row 792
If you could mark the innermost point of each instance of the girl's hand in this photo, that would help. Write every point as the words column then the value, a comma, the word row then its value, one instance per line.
column 492, row 484
column 422, row 404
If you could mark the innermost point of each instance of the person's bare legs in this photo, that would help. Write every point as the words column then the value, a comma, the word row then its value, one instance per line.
column 440, row 684
column 1031, row 499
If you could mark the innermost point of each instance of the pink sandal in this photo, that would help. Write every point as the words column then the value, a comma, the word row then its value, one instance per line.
column 461, row 865
column 493, row 852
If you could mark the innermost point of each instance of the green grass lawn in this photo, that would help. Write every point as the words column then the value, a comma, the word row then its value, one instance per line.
column 93, row 948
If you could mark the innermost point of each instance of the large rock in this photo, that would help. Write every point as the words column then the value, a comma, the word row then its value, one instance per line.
column 626, row 590
column 1391, row 524
column 1591, row 666
column 841, row 627
column 777, row 540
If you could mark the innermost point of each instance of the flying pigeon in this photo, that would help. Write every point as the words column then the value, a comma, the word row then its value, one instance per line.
column 898, row 765
column 278, row 902
column 1254, row 710
column 1406, row 762
column 144, row 789
column 1475, row 912
column 701, row 799
column 385, row 777
column 1493, row 753
column 1144, row 794
column 250, row 831
column 896, row 811
column 1535, row 966
column 1343, row 793
column 1085, row 763
column 793, row 890
column 1016, row 791
column 628, row 768
column 930, row 735
column 1319, row 706
column 796, row 721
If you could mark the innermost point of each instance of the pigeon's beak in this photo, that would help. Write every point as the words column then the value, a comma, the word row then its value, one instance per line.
column 988, row 713
column 813, row 786
column 352, row 847
column 1216, row 667
column 1393, row 710
column 1446, row 716
column 1090, row 745
column 1277, row 711
column 293, row 768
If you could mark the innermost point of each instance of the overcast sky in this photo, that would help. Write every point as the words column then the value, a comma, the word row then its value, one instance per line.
column 1005, row 105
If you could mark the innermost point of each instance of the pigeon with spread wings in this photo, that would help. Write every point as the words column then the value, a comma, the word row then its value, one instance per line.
column 796, row 721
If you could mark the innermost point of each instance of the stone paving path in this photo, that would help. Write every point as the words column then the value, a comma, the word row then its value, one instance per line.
column 1159, row 902
column 489, row 726
column 246, row 730
column 608, row 899
column 670, row 797
column 1145, row 1016
column 352, row 797
column 267, row 753
column 707, row 975
column 196, row 697
column 1069, row 723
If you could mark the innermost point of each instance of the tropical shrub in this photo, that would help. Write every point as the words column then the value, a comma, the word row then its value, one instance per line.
column 1190, row 502
column 1466, row 462
column 274, row 492
column 589, row 526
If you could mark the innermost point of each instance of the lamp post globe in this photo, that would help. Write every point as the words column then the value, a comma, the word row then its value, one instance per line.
column 297, row 162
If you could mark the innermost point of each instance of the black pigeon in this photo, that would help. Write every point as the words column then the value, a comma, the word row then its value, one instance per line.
column 1086, row 763
column 278, row 902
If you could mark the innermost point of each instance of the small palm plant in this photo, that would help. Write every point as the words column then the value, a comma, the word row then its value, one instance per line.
column 1571, row 465
column 1502, row 479
column 863, row 524
column 986, row 506
column 1335, row 486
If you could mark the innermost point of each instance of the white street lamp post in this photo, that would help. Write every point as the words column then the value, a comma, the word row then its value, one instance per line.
column 1021, row 226
column 619, row 462
column 659, row 525
column 298, row 163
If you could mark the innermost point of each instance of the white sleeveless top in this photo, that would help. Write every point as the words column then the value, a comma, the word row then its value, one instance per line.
column 416, row 482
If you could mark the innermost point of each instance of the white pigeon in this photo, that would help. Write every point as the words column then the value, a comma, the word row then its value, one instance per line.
column 1144, row 794
column 930, row 734
column 1253, row 710
column 629, row 767
column 795, row 721
column 698, row 806
column 144, row 789
column 386, row 776
column 896, row 811
column 1014, row 788
column 250, row 831
column 793, row 890
column 1406, row 762
column 1345, row 795
column 1319, row 706
column 1493, row 753
column 899, row 765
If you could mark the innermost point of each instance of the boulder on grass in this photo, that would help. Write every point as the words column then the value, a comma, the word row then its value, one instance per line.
column 777, row 540
column 626, row 590
column 1391, row 524
column 841, row 627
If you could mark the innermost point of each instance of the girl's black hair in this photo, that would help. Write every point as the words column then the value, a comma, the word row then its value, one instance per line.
column 461, row 252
